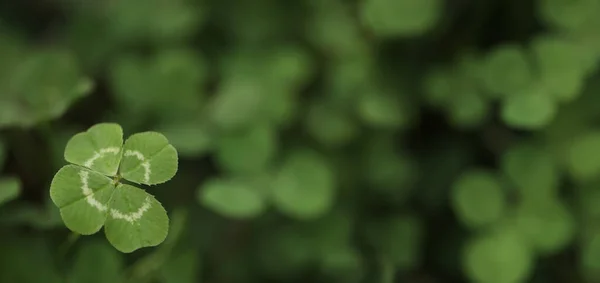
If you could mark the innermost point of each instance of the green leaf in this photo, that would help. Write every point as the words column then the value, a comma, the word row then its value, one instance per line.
column 506, row 70
column 136, row 220
column 590, row 202
column 400, row 18
column 388, row 170
column 82, row 197
column 248, row 150
column 191, row 138
column 582, row 163
column 41, row 87
column 96, row 262
column 590, row 254
column 154, row 20
column 532, row 168
column 499, row 256
column 562, row 65
column 547, row 225
column 10, row 189
column 568, row 14
column 383, row 110
column 99, row 148
column 529, row 109
column 398, row 240
column 31, row 215
column 329, row 125
column 468, row 109
column 478, row 198
column 148, row 159
column 139, row 84
column 232, row 199
column 304, row 187
column 238, row 102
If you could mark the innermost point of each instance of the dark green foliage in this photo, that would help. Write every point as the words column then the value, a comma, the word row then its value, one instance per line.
column 319, row 141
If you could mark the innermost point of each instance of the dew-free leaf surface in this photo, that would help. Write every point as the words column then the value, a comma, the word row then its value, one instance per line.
column 148, row 159
column 532, row 169
column 529, row 109
column 10, row 189
column 478, row 198
column 136, row 219
column 305, row 186
column 89, row 194
column 500, row 256
column 400, row 18
column 99, row 148
column 506, row 70
column 547, row 225
column 232, row 199
column 247, row 151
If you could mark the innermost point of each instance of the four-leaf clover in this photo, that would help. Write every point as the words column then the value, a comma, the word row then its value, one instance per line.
column 90, row 193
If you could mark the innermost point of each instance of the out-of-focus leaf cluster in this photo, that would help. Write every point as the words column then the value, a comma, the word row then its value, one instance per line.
column 322, row 141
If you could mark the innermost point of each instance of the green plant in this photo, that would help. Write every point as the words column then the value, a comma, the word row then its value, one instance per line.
column 91, row 193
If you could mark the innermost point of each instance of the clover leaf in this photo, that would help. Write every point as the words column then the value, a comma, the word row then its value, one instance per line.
column 499, row 256
column 478, row 198
column 90, row 195
column 10, row 189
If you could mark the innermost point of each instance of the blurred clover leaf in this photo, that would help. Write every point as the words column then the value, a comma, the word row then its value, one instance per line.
column 32, row 215
column 456, row 89
column 305, row 185
column 238, row 102
column 160, row 21
column 546, row 223
column 180, row 72
column 568, row 15
column 247, row 150
column 232, row 198
column 506, row 70
column 398, row 240
column 41, row 87
column 498, row 256
column 96, row 262
column 191, row 137
column 532, row 169
column 562, row 66
column 581, row 161
column 530, row 108
column 388, row 170
column 381, row 109
column 89, row 192
column 468, row 109
column 10, row 189
column 478, row 198
column 590, row 255
column 389, row 18
column 328, row 124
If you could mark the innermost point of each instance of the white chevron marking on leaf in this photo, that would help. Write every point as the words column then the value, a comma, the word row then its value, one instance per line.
column 101, row 153
column 89, row 193
column 145, row 163
column 133, row 216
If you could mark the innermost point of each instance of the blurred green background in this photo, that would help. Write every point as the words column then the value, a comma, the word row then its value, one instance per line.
column 379, row 141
